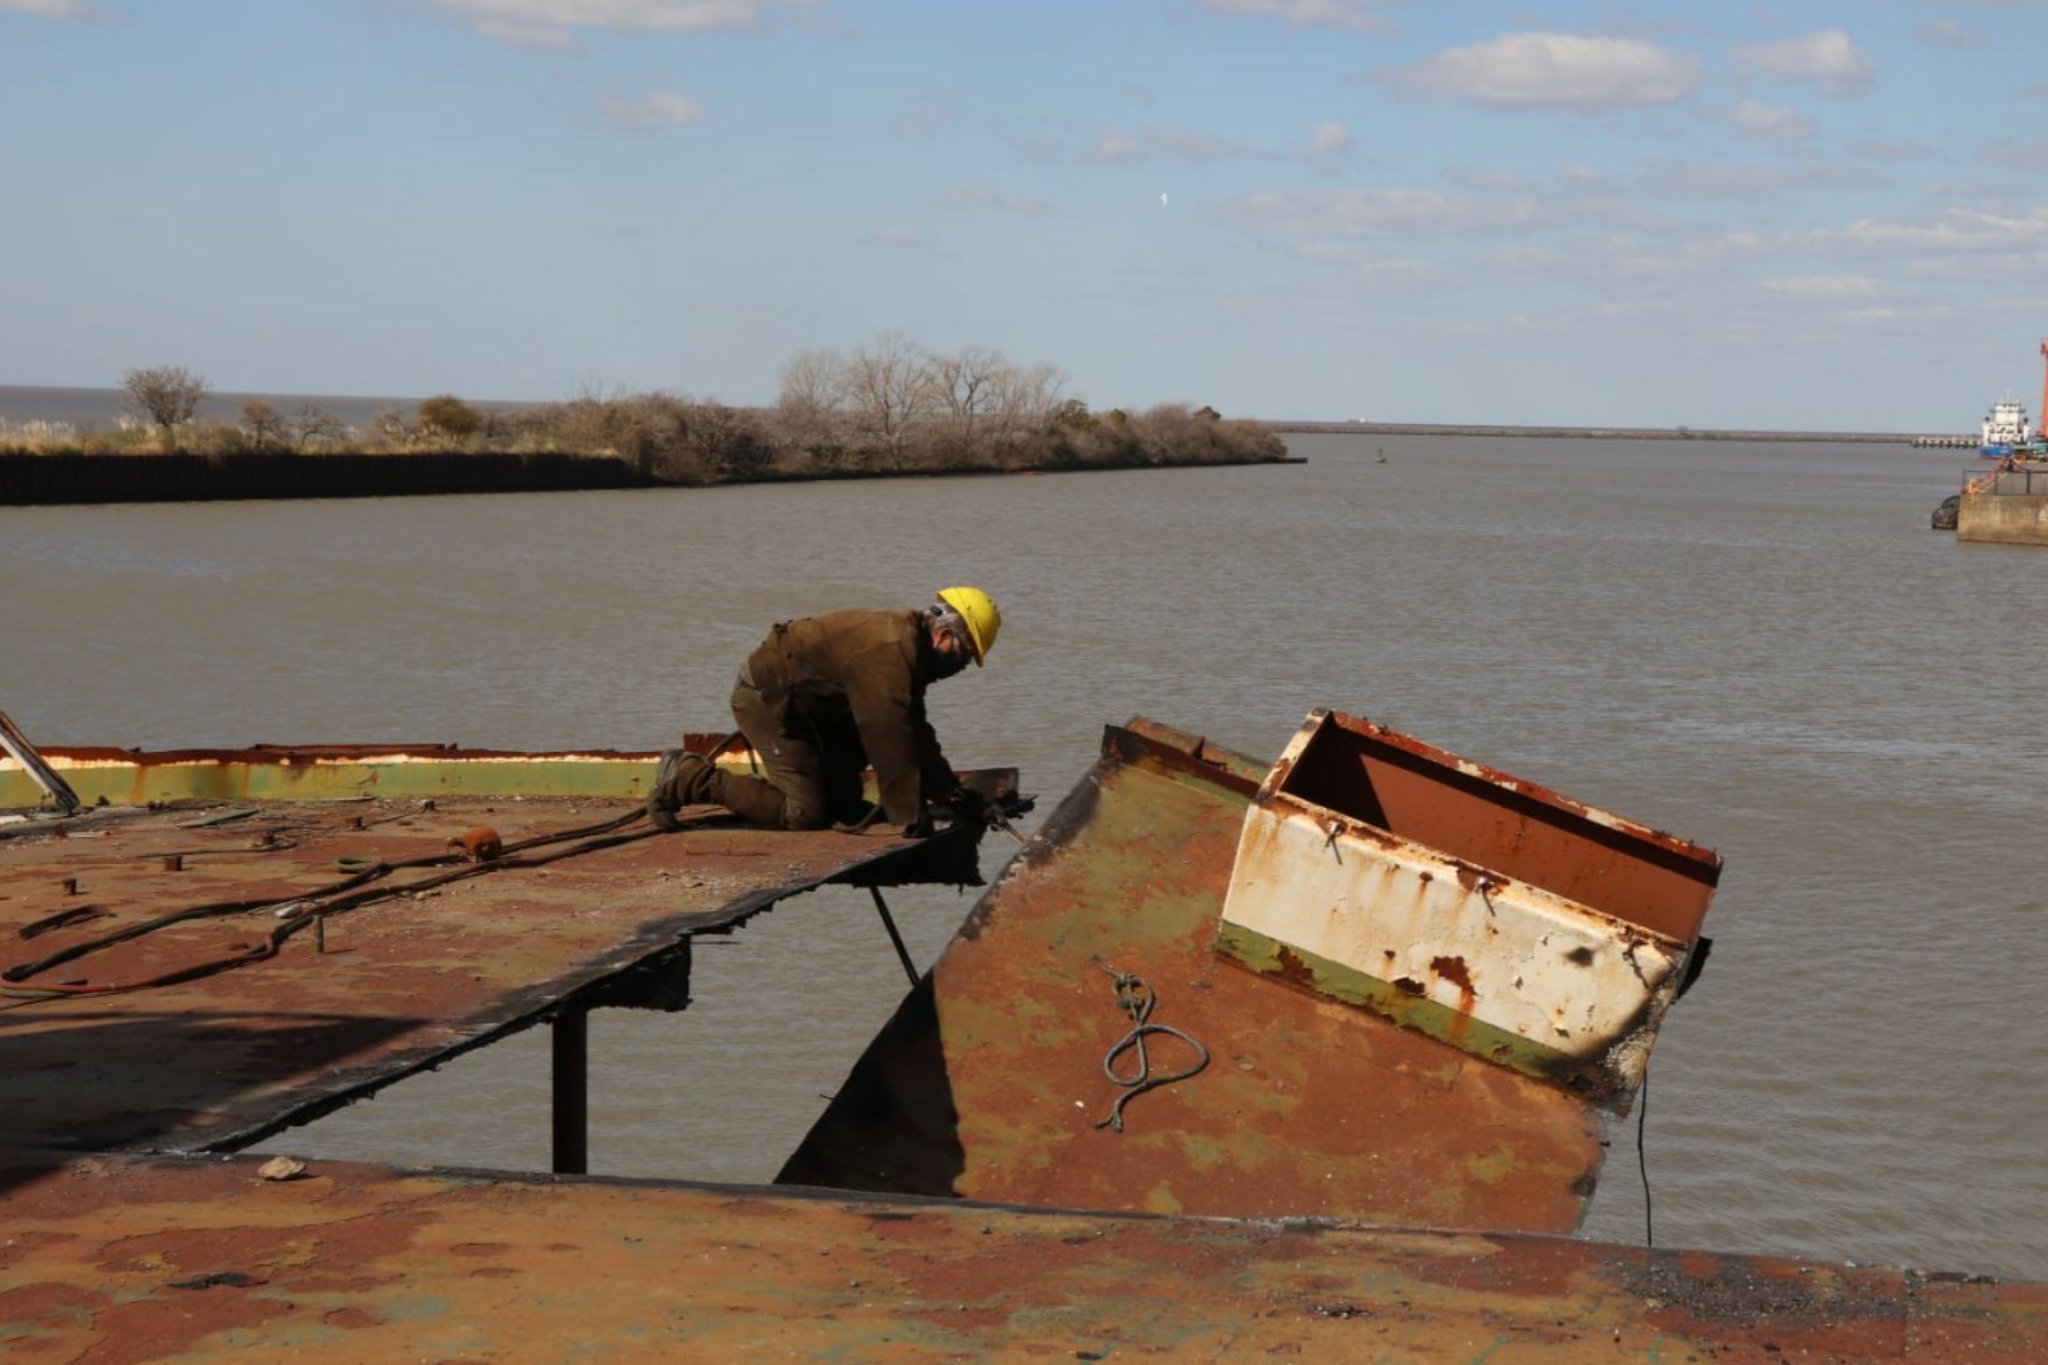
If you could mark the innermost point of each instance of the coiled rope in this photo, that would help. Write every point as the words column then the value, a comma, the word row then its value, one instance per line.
column 1137, row 1000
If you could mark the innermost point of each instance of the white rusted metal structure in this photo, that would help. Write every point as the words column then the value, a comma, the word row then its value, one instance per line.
column 1521, row 926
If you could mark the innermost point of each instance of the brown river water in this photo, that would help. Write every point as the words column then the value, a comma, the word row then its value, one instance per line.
column 1759, row 647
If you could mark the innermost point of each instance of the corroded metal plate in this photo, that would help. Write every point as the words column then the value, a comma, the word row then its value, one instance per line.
column 117, row 1260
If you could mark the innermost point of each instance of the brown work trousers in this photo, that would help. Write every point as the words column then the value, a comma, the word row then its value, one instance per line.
column 810, row 767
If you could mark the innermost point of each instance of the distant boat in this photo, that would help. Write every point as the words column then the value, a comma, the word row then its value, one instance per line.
column 2005, row 431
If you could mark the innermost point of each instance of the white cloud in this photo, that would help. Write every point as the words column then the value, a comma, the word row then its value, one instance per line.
column 1379, row 213
column 550, row 23
column 1497, row 182
column 1555, row 71
column 1768, row 120
column 899, row 239
column 1826, row 60
column 1701, row 180
column 1359, row 15
column 979, row 196
column 656, row 109
column 2025, row 155
column 1959, row 231
column 1183, row 144
column 1825, row 286
column 48, row 9
column 1872, row 150
column 1115, row 146
column 1329, row 138
column 925, row 118
column 1325, row 142
column 1948, row 33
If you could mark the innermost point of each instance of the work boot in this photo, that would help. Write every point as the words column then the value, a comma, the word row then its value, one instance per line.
column 661, row 798
column 683, row 779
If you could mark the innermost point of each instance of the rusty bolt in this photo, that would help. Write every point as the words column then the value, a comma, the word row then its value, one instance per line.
column 478, row 845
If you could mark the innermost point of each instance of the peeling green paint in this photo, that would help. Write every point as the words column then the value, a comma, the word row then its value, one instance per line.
column 1353, row 987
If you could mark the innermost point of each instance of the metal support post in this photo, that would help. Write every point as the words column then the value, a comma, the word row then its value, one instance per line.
column 889, row 923
column 572, row 1091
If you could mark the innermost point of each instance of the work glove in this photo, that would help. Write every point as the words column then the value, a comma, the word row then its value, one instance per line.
column 969, row 806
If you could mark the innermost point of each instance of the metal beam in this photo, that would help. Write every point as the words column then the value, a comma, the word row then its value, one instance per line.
column 572, row 1091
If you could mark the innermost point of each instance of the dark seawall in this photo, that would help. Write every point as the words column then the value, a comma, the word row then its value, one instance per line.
column 55, row 480
column 35, row 480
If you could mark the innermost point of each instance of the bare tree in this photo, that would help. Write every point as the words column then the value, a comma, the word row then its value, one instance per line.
column 388, row 429
column 1024, row 402
column 264, row 425
column 808, row 407
column 815, row 379
column 967, row 387
column 889, row 387
column 313, row 424
column 166, row 395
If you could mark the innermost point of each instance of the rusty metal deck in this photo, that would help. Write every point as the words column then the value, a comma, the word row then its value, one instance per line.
column 399, row 971
column 115, row 1260
column 990, row 1081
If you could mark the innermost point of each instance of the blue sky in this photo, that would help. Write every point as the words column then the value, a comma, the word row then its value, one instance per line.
column 1824, row 215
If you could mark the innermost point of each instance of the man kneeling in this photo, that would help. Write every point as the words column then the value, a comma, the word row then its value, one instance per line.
column 824, row 697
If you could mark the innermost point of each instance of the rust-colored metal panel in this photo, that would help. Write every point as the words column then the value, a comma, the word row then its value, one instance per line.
column 116, row 1260
column 397, row 970
column 990, row 1082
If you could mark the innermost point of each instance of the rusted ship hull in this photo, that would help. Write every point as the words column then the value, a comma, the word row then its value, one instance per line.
column 992, row 1082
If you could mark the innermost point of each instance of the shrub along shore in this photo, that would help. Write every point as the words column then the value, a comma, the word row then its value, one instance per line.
column 889, row 411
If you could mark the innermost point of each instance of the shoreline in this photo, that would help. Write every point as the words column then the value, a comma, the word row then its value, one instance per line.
column 78, row 405
column 1591, row 433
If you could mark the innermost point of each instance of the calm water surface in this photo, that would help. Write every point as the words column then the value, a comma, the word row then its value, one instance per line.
column 1761, row 648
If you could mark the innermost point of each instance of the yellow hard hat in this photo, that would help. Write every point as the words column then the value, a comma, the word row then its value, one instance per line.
column 978, row 610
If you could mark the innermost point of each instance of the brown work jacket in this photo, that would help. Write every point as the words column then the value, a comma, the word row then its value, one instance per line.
column 871, row 667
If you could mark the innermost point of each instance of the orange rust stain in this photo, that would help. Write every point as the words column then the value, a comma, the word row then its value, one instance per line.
column 1453, row 970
